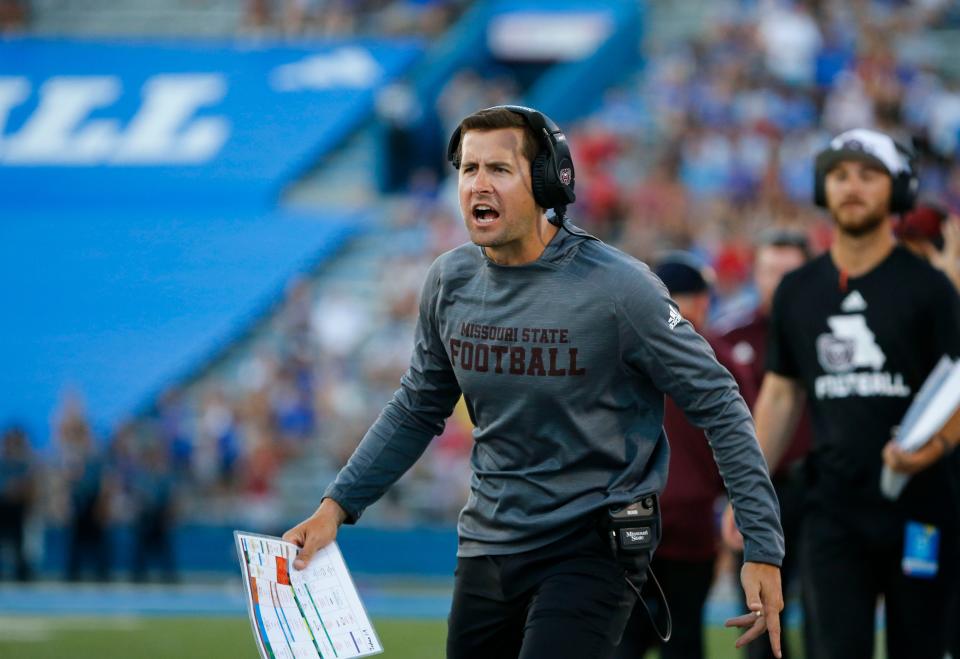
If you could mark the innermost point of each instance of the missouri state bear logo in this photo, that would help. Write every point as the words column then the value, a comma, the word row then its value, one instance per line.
column 846, row 353
column 849, row 345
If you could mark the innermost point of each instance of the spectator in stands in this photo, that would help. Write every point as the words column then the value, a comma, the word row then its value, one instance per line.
column 259, row 496
column 659, row 208
column 684, row 563
column 172, row 419
column 791, row 40
column 17, row 491
column 779, row 251
column 153, row 494
column 13, row 15
column 293, row 17
column 217, row 451
column 88, row 490
column 291, row 399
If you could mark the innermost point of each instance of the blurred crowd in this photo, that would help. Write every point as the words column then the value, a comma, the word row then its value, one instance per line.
column 714, row 139
column 291, row 18
column 427, row 18
column 709, row 143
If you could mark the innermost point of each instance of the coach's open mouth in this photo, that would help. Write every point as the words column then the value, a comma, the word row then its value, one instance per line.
column 483, row 213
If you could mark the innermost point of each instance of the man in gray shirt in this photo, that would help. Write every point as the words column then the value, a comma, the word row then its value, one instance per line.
column 563, row 348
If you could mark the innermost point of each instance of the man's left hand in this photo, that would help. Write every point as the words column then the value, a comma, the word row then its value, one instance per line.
column 912, row 462
column 761, row 586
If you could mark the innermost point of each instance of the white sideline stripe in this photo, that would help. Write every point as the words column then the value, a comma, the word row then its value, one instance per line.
column 28, row 629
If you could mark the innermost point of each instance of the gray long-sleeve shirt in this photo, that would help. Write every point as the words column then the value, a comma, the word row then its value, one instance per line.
column 563, row 363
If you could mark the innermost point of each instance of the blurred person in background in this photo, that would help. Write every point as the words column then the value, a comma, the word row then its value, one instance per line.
column 685, row 560
column 562, row 348
column 855, row 332
column 295, row 17
column 930, row 233
column 779, row 251
column 153, row 495
column 14, row 15
column 172, row 420
column 17, row 491
column 216, row 451
column 88, row 491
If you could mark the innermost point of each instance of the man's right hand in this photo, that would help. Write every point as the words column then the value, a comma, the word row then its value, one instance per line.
column 316, row 532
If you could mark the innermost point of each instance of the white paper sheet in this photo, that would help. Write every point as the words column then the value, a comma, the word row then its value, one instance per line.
column 300, row 614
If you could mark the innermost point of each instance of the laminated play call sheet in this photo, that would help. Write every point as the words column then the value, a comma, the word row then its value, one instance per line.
column 295, row 614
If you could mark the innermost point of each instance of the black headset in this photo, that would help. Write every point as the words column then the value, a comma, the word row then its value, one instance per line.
column 551, row 171
column 903, row 194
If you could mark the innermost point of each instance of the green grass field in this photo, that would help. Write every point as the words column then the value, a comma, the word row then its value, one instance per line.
column 155, row 638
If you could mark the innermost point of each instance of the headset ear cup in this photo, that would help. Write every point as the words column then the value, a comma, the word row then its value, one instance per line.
column 452, row 147
column 567, row 178
column 903, row 194
column 538, row 177
column 898, row 194
column 819, row 188
column 819, row 181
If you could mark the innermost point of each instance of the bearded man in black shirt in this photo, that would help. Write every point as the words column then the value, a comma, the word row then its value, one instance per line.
column 855, row 332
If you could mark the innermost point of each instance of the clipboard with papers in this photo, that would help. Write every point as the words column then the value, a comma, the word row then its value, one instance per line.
column 932, row 407
column 300, row 614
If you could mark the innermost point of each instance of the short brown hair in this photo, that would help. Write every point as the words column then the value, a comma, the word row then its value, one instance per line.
column 496, row 118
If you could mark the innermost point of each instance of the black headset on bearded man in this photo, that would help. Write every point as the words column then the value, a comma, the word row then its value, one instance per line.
column 551, row 172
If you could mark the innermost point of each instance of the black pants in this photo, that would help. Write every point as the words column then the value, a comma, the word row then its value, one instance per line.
column 12, row 520
column 846, row 564
column 152, row 541
column 88, row 544
column 566, row 600
column 686, row 585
